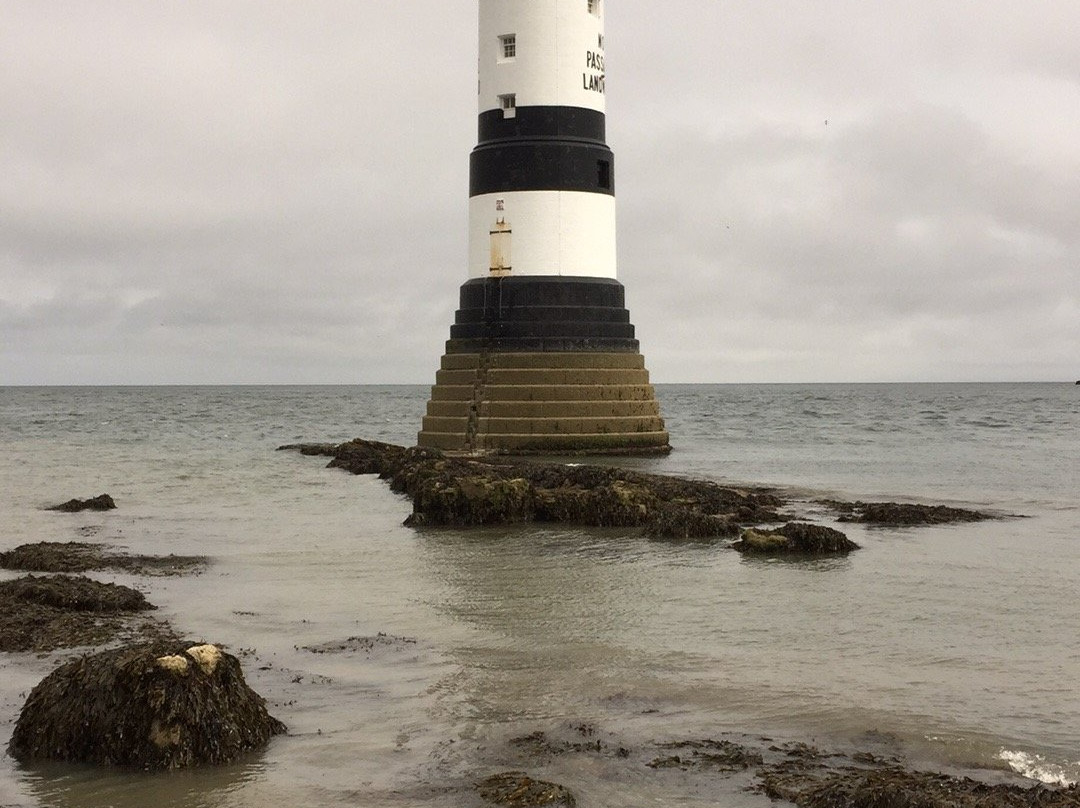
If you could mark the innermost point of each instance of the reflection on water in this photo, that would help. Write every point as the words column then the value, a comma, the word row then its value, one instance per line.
column 72, row 786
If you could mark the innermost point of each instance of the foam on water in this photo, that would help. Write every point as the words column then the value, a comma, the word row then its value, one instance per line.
column 1037, row 767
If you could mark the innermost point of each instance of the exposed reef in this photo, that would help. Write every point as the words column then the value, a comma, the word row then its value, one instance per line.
column 899, row 513
column 152, row 706
column 795, row 538
column 102, row 502
column 75, row 556
column 464, row 492
column 48, row 613
column 790, row 771
column 59, row 611
column 518, row 790
column 896, row 787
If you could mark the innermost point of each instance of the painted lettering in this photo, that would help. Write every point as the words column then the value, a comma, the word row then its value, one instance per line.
column 600, row 41
column 594, row 61
column 593, row 82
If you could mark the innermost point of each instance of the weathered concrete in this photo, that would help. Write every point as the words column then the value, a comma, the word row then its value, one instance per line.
column 544, row 402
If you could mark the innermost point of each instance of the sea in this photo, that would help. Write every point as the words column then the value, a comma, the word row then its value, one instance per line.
column 954, row 647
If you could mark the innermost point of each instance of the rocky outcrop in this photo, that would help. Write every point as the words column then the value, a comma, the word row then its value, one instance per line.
column 899, row 513
column 61, row 611
column 102, row 502
column 707, row 754
column 896, row 787
column 75, row 592
column 518, row 790
column 159, row 706
column 459, row 491
column 75, row 556
column 795, row 538
column 682, row 522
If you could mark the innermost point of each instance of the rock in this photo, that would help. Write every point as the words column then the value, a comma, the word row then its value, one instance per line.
column 75, row 592
column 518, row 790
column 46, row 613
column 311, row 449
column 708, row 754
column 461, row 491
column 102, row 502
column 74, row 556
column 898, row 513
column 795, row 538
column 471, row 501
column 682, row 522
column 368, row 457
column 895, row 787
column 153, row 706
column 380, row 642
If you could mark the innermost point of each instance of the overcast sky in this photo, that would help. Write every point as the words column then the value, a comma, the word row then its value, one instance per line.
column 225, row 191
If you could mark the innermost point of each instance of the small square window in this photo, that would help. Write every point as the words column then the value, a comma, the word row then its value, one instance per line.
column 508, row 104
column 508, row 46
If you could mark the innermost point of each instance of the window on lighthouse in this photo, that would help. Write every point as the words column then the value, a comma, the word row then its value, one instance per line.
column 508, row 46
column 508, row 104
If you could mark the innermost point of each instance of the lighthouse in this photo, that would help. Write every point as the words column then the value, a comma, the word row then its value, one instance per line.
column 542, row 356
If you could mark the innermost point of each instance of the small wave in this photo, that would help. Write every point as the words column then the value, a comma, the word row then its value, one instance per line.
column 1036, row 767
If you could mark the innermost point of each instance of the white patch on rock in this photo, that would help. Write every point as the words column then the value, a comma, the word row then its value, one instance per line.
column 164, row 736
column 175, row 663
column 207, row 657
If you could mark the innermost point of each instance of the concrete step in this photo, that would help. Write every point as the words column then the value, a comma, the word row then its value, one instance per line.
column 547, row 376
column 589, row 442
column 567, row 425
column 545, row 409
column 552, row 359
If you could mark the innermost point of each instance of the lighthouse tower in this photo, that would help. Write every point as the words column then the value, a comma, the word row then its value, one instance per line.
column 542, row 356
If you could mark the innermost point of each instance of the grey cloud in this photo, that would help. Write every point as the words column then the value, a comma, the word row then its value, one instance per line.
column 241, row 191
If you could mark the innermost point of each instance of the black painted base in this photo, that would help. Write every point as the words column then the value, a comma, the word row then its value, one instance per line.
column 542, row 313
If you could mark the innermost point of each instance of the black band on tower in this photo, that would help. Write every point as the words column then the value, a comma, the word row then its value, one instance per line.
column 542, row 148
column 541, row 165
column 538, row 123
column 542, row 313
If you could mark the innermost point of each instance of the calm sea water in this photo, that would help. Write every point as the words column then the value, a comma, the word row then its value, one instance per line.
column 956, row 645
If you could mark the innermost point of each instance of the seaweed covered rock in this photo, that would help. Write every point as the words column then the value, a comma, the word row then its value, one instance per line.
column 472, row 500
column 368, row 457
column 795, row 538
column 682, row 522
column 77, row 556
column 154, row 706
column 518, row 790
column 902, row 514
column 60, row 611
column 102, row 502
column 357, row 456
column 466, row 491
column 75, row 592
column 707, row 754
column 896, row 787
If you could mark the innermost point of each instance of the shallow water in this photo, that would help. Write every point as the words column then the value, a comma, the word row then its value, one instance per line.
column 956, row 645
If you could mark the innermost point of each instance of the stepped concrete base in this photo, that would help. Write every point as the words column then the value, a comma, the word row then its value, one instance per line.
column 544, row 402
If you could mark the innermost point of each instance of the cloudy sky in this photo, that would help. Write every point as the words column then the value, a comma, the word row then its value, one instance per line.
column 250, row 191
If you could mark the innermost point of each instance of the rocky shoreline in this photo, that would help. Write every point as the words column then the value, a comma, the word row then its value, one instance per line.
column 784, row 771
column 142, row 697
column 478, row 492
column 458, row 491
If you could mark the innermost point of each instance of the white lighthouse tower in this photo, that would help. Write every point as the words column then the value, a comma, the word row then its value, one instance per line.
column 542, row 356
